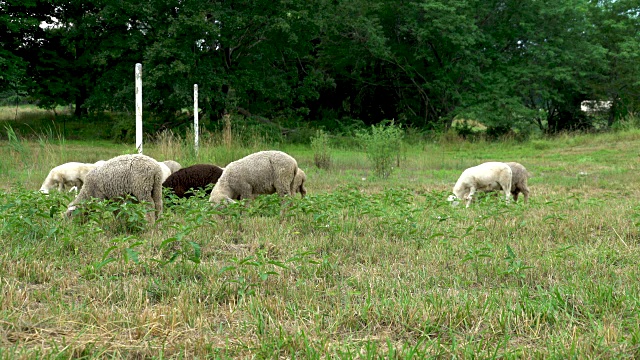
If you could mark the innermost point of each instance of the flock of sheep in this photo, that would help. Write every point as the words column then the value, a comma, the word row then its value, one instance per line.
column 264, row 172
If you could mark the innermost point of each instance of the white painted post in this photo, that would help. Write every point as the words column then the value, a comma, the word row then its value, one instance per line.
column 196, row 131
column 139, row 107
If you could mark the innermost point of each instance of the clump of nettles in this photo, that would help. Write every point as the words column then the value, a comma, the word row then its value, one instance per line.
column 321, row 150
column 382, row 144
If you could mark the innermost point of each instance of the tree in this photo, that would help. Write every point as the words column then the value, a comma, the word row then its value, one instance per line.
column 17, row 22
column 258, row 51
column 617, row 25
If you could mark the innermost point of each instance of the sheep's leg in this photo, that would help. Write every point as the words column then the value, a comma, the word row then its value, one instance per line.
column 246, row 191
column 507, row 195
column 146, row 197
column 156, row 195
column 57, row 181
column 284, row 178
column 505, row 184
column 469, row 197
column 283, row 188
column 515, row 196
column 526, row 196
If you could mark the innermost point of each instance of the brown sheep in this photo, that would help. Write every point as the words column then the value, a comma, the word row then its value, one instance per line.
column 195, row 176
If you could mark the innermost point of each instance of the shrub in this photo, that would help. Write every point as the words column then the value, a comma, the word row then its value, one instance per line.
column 321, row 150
column 383, row 144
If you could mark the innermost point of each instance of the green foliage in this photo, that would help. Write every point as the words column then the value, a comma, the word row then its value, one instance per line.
column 383, row 145
column 119, row 215
column 329, row 63
column 515, row 266
column 465, row 129
column 249, row 273
column 179, row 246
column 31, row 215
column 123, row 249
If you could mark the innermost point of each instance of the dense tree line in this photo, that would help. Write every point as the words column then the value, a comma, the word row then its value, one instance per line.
column 507, row 63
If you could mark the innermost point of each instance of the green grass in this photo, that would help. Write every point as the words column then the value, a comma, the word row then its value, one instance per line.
column 362, row 267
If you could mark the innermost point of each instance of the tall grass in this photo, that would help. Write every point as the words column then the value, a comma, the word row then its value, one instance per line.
column 29, row 113
column 215, row 148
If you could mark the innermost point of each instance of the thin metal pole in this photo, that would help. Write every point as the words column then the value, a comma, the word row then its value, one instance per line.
column 139, row 107
column 196, row 132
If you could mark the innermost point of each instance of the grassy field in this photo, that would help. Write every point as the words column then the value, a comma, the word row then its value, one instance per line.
column 361, row 268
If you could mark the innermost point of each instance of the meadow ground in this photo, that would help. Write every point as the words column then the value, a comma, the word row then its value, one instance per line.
column 362, row 267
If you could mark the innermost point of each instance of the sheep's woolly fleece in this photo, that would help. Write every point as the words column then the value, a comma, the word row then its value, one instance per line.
column 488, row 176
column 192, row 177
column 264, row 172
column 166, row 171
column 137, row 175
column 519, row 179
column 173, row 165
column 67, row 175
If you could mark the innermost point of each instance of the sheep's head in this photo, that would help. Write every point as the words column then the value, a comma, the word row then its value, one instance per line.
column 69, row 213
column 454, row 200
column 220, row 199
column 298, row 183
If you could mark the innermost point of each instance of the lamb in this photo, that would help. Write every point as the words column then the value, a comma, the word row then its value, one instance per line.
column 68, row 175
column 519, row 181
column 264, row 172
column 195, row 176
column 488, row 176
column 173, row 165
column 136, row 174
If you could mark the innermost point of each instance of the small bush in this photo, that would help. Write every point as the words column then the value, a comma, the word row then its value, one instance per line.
column 383, row 144
column 321, row 150
column 464, row 129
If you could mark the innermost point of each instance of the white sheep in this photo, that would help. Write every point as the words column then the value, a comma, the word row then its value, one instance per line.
column 264, row 172
column 67, row 176
column 519, row 178
column 173, row 165
column 136, row 174
column 488, row 176
column 166, row 170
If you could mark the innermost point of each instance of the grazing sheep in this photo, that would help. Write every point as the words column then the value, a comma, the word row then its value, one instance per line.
column 519, row 181
column 488, row 176
column 195, row 176
column 135, row 174
column 264, row 172
column 173, row 165
column 67, row 175
column 166, row 171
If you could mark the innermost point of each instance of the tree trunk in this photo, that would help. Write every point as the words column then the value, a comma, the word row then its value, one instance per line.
column 80, row 110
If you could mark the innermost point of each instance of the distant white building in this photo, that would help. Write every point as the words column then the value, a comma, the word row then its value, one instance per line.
column 595, row 106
